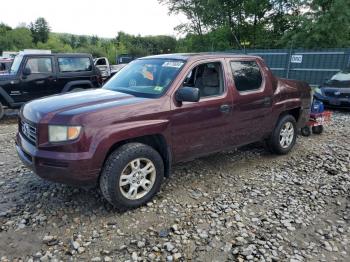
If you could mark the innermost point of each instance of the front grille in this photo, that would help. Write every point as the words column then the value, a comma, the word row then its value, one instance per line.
column 341, row 95
column 29, row 131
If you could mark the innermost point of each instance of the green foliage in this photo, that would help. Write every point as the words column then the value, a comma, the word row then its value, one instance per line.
column 148, row 45
column 213, row 25
column 55, row 44
column 216, row 24
column 326, row 24
column 15, row 39
column 40, row 30
column 38, row 36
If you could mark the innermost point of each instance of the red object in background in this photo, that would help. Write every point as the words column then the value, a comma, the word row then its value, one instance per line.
column 319, row 119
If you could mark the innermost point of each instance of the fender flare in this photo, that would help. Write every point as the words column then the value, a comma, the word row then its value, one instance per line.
column 69, row 85
column 5, row 96
column 130, row 131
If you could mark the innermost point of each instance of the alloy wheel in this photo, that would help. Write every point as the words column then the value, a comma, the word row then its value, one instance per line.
column 286, row 135
column 137, row 178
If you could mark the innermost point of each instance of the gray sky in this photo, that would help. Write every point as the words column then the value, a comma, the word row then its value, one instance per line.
column 93, row 17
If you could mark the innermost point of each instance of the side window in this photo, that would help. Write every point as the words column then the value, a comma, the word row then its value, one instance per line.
column 247, row 75
column 208, row 78
column 74, row 64
column 39, row 65
column 101, row 62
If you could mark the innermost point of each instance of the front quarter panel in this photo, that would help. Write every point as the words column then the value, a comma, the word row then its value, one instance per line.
column 131, row 122
column 106, row 138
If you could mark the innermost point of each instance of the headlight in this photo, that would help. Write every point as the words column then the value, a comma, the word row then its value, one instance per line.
column 63, row 133
column 318, row 90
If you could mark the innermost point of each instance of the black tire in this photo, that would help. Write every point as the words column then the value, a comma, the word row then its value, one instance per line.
column 317, row 130
column 274, row 141
column 114, row 166
column 2, row 111
column 305, row 131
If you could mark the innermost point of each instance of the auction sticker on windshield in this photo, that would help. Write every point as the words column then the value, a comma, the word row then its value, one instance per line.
column 175, row 64
column 158, row 88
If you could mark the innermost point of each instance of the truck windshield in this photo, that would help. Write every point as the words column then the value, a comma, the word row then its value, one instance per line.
column 146, row 77
column 16, row 63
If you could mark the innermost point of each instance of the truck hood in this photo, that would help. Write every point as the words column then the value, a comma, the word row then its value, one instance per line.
column 76, row 103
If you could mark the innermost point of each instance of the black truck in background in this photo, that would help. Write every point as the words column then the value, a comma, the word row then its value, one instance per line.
column 33, row 76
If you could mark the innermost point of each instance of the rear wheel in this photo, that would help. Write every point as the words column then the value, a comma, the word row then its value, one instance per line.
column 284, row 136
column 2, row 111
column 317, row 130
column 132, row 175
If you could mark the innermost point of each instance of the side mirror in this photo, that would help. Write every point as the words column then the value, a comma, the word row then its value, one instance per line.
column 187, row 94
column 26, row 71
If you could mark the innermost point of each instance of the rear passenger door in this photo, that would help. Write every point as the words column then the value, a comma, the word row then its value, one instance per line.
column 252, row 101
column 73, row 69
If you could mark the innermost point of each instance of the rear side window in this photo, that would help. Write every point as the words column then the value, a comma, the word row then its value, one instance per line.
column 39, row 65
column 247, row 75
column 74, row 64
column 101, row 62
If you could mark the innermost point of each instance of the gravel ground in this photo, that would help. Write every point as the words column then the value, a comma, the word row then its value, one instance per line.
column 241, row 205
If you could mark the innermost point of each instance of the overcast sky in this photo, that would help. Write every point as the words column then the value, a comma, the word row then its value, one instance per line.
column 103, row 18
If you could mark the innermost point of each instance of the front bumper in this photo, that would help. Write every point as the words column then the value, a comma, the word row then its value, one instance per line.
column 334, row 101
column 66, row 168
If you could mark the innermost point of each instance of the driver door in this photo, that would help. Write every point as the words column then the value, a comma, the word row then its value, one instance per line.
column 200, row 128
column 39, row 81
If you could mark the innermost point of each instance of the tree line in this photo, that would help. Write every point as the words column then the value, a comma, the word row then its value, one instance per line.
column 212, row 25
column 236, row 24
column 38, row 35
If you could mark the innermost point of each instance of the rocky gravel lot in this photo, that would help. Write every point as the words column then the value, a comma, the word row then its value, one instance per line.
column 234, row 206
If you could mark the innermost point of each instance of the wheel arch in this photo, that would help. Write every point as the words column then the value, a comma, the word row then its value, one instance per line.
column 300, row 114
column 295, row 112
column 5, row 99
column 73, row 84
column 156, row 141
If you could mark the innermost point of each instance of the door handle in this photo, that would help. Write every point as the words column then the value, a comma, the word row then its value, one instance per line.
column 225, row 108
column 51, row 78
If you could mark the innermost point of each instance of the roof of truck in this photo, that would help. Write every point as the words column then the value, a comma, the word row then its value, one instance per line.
column 61, row 54
column 5, row 59
column 188, row 56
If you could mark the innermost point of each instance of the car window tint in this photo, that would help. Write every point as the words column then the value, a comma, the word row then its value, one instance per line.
column 101, row 62
column 247, row 75
column 39, row 65
column 208, row 78
column 74, row 64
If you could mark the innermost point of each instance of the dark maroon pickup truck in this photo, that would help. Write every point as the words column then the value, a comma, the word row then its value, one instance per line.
column 157, row 111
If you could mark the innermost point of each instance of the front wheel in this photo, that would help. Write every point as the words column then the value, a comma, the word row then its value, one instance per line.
column 132, row 175
column 283, row 138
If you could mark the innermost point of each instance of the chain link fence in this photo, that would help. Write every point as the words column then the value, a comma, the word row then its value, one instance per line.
column 312, row 66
